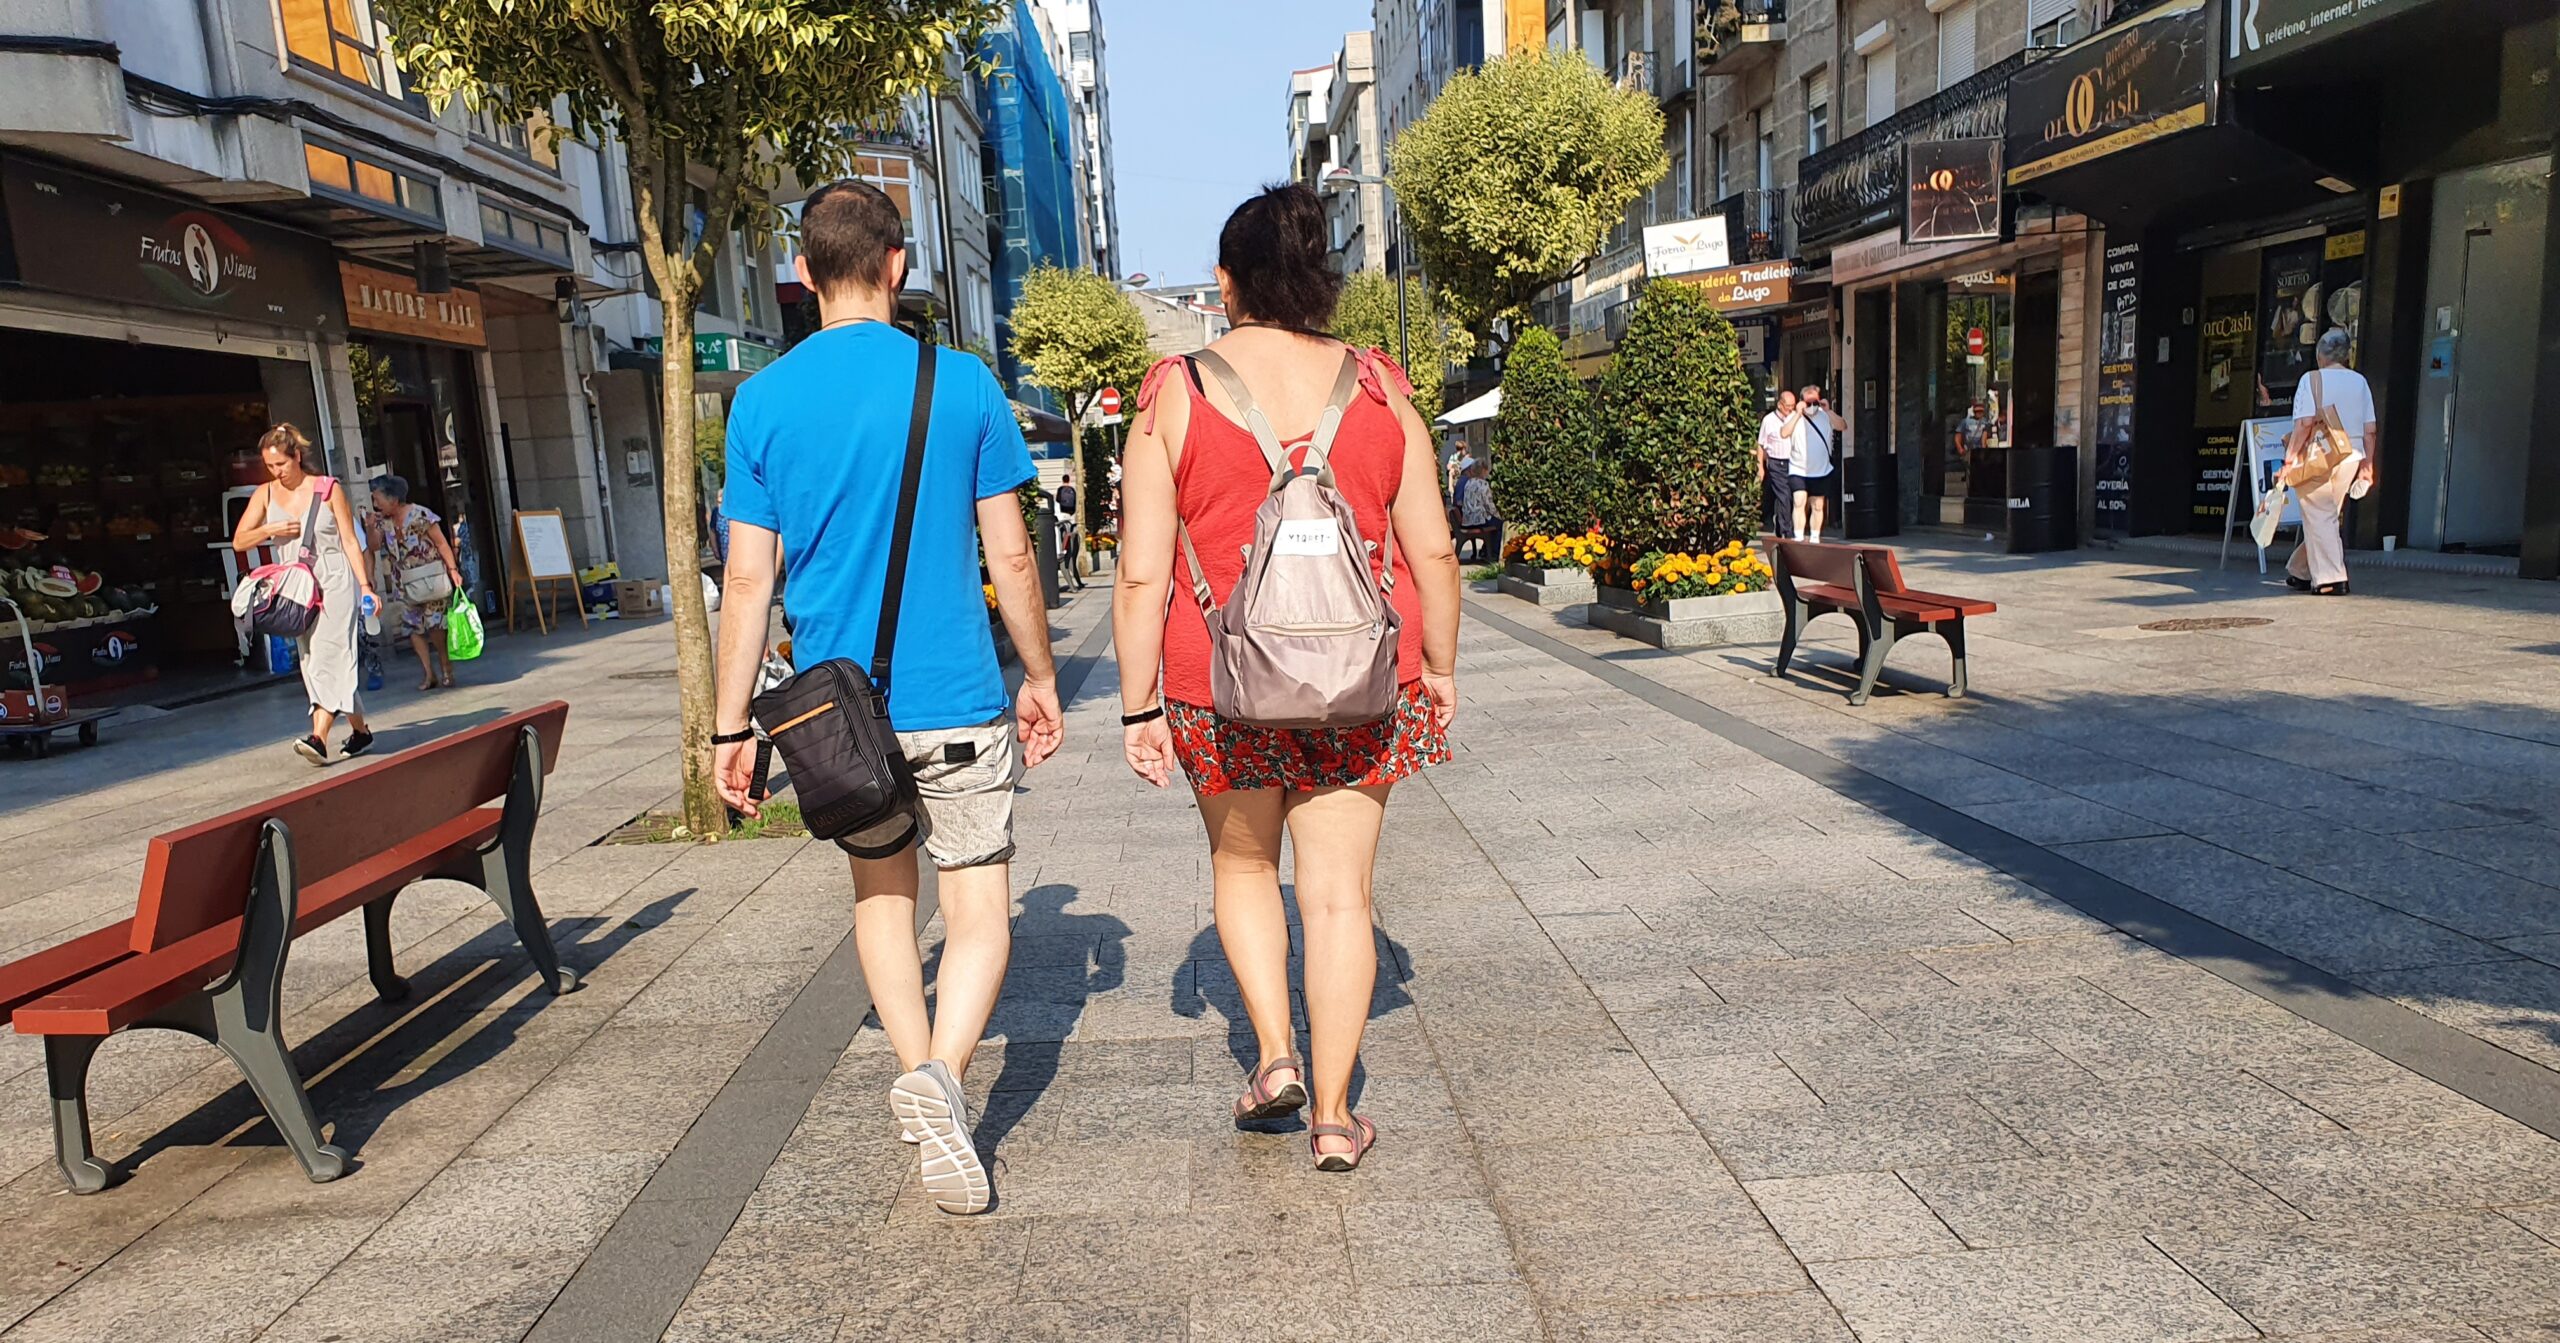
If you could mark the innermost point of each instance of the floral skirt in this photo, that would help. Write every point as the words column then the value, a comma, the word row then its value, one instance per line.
column 1220, row 755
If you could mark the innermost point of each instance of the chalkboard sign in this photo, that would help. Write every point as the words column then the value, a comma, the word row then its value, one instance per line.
column 543, row 539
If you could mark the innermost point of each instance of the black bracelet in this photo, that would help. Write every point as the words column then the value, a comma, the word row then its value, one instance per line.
column 733, row 738
column 1142, row 716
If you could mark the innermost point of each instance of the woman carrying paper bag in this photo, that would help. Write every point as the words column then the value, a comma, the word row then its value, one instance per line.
column 2330, row 460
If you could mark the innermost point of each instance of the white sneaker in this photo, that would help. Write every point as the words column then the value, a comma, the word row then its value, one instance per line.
column 929, row 1104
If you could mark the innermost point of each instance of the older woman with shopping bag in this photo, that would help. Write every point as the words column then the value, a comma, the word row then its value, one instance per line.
column 2329, row 460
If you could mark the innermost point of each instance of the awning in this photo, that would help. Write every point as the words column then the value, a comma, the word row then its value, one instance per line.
column 1484, row 407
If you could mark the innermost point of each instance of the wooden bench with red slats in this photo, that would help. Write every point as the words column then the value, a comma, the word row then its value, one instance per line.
column 1865, row 584
column 222, row 901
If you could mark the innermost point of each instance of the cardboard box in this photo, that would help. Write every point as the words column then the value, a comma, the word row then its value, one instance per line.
column 19, row 706
column 636, row 600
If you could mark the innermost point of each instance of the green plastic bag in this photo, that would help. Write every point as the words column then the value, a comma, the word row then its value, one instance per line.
column 461, row 629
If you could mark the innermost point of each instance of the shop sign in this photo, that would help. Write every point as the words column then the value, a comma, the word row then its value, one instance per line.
column 1685, row 247
column 1886, row 252
column 2262, row 30
column 2148, row 77
column 388, row 302
column 720, row 352
column 1756, row 338
column 77, row 234
column 1952, row 190
column 1742, row 288
column 2118, row 294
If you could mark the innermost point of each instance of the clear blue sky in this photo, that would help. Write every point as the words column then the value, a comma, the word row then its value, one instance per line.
column 1199, row 114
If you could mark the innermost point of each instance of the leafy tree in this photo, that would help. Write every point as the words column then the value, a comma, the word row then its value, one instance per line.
column 719, row 95
column 1682, row 429
column 1076, row 332
column 1367, row 316
column 1514, row 175
column 1100, row 448
column 1544, row 440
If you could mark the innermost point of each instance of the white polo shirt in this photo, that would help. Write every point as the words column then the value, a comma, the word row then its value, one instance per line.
column 1775, row 441
column 2344, row 389
column 1815, row 439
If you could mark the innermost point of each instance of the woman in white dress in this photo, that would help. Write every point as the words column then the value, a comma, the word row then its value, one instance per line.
column 328, row 649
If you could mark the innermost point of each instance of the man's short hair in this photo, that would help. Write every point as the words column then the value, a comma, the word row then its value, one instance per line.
column 847, row 231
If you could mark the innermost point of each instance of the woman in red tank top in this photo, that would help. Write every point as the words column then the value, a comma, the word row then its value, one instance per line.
column 1191, row 462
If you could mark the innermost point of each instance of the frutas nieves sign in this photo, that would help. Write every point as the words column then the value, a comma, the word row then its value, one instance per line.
column 78, row 234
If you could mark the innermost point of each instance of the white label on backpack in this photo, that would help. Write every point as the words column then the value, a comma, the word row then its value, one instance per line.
column 1313, row 536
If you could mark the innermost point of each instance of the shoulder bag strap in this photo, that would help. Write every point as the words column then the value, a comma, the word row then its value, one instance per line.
column 908, row 485
column 310, row 537
column 1254, row 420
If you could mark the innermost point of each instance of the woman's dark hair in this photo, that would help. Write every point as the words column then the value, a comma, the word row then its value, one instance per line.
column 392, row 488
column 1275, row 253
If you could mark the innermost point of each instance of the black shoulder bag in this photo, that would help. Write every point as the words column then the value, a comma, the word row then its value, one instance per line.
column 831, row 722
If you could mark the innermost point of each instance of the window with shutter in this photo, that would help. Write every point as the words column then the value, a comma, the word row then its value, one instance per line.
column 1880, row 84
column 1817, row 111
column 2054, row 24
column 1955, row 44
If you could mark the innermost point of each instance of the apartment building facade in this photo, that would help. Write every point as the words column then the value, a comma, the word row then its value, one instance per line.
column 1086, row 65
column 222, row 214
column 2066, row 259
column 1336, row 145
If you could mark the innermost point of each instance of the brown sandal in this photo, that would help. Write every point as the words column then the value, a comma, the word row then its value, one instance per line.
column 1363, row 1136
column 1262, row 1100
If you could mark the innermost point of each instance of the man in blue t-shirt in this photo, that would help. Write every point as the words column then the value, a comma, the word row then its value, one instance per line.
column 817, row 448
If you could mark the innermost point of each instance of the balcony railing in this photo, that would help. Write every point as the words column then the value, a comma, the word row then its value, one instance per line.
column 1856, row 186
column 1636, row 71
column 1737, row 35
column 1755, row 224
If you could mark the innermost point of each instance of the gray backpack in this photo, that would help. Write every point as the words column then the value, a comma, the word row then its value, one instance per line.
column 1307, row 639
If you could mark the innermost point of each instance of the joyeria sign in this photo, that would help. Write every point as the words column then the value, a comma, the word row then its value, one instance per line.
column 78, row 234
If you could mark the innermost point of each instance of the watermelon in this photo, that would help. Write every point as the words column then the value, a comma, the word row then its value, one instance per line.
column 88, row 584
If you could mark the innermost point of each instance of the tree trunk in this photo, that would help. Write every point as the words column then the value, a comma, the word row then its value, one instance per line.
column 704, row 814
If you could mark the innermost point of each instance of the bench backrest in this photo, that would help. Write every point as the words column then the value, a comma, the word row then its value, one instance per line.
column 198, row 878
column 1884, row 572
column 1818, row 562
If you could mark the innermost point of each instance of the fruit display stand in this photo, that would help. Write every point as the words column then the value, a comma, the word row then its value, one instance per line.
column 46, row 711
column 81, row 632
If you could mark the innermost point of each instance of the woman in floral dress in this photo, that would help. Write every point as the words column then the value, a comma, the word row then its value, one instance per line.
column 415, row 547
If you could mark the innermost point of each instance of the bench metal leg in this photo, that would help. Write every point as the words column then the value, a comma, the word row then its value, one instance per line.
column 1953, row 632
column 243, row 1014
column 1798, row 613
column 1872, row 648
column 504, row 870
column 66, row 1074
column 387, row 983
column 246, row 1010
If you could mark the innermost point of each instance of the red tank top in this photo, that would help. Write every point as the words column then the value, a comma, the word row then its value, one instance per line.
column 1221, row 480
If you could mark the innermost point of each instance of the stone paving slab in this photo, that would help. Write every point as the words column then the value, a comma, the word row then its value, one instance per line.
column 1671, row 1042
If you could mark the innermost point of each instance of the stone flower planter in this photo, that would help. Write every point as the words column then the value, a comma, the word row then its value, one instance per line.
column 1690, row 622
column 1546, row 587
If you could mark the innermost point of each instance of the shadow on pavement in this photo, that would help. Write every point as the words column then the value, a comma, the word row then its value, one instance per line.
column 365, row 1066
column 1209, row 984
column 1057, row 970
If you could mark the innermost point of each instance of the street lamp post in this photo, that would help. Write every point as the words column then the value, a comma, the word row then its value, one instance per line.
column 1338, row 180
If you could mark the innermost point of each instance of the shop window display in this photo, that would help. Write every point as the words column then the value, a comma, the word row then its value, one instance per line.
column 118, row 470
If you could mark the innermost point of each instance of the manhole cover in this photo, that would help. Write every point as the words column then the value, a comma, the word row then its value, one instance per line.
column 669, row 674
column 2197, row 624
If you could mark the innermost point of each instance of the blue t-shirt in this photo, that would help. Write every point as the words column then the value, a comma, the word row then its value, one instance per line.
column 817, row 443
